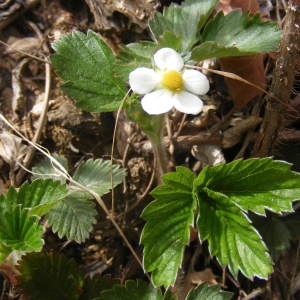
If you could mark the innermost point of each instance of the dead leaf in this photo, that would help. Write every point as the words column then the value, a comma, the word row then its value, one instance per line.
column 11, row 148
column 207, row 154
column 136, row 12
column 233, row 135
column 38, row 106
column 17, row 101
column 249, row 67
column 23, row 44
column 206, row 275
column 246, row 5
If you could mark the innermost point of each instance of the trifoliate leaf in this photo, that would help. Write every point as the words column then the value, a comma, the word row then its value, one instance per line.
column 48, row 277
column 254, row 184
column 73, row 218
column 19, row 230
column 168, row 220
column 96, row 175
column 41, row 195
column 206, row 292
column 86, row 64
column 231, row 237
column 44, row 169
column 237, row 34
column 132, row 290
column 185, row 21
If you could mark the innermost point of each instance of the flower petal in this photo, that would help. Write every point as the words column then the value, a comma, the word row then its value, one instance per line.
column 157, row 102
column 195, row 82
column 168, row 58
column 187, row 103
column 143, row 80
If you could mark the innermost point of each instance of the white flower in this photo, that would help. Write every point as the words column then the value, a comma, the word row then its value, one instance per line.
column 169, row 85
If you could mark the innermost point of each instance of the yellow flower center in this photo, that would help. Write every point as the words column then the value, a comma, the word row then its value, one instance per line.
column 172, row 80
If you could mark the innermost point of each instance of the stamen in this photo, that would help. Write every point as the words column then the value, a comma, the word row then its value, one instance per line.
column 172, row 80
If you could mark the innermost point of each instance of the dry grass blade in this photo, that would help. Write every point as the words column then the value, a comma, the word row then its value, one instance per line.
column 234, row 77
column 42, row 120
column 113, row 150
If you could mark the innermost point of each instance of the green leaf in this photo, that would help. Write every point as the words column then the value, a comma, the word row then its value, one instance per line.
column 169, row 295
column 232, row 238
column 168, row 220
column 170, row 40
column 19, row 230
column 48, row 277
column 73, row 218
column 41, row 195
column 96, row 175
column 93, row 174
column 292, row 221
column 44, row 169
column 254, row 184
column 4, row 252
column 132, row 290
column 9, row 200
column 94, row 286
column 206, row 292
column 184, row 21
column 135, row 55
column 237, row 34
column 152, row 125
column 277, row 231
column 87, row 65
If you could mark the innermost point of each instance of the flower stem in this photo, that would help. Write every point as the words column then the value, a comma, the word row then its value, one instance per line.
column 153, row 126
column 159, row 152
column 159, row 149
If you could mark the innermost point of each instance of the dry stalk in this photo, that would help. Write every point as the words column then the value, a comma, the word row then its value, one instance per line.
column 113, row 151
column 282, row 83
column 41, row 124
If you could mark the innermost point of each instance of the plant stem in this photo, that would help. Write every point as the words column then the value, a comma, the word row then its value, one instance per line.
column 155, row 135
column 159, row 152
